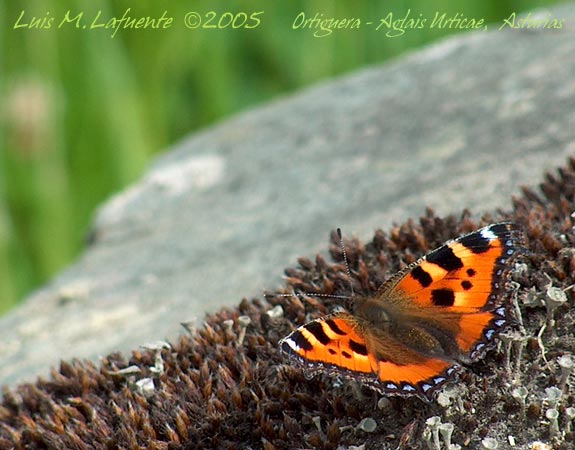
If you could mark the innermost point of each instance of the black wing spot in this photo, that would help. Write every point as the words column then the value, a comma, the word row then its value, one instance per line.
column 346, row 354
column 475, row 242
column 445, row 258
column 466, row 285
column 301, row 341
column 358, row 348
column 331, row 351
column 443, row 297
column 471, row 272
column 501, row 230
column 333, row 327
column 316, row 329
column 421, row 276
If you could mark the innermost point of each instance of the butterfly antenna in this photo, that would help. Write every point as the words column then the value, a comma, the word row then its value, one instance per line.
column 345, row 260
column 308, row 294
column 294, row 294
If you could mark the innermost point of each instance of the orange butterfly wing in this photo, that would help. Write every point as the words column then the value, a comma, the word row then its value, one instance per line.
column 442, row 309
column 334, row 340
column 337, row 344
column 465, row 276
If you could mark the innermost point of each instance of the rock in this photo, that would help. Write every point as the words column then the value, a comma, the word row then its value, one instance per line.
column 459, row 124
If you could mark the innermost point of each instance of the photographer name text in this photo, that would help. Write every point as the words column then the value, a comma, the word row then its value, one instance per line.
column 390, row 25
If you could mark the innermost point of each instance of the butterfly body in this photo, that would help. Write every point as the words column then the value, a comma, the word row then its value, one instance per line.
column 424, row 324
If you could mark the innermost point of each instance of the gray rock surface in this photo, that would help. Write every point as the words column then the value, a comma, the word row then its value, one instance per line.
column 460, row 124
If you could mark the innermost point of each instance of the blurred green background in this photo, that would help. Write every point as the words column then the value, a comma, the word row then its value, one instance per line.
column 83, row 113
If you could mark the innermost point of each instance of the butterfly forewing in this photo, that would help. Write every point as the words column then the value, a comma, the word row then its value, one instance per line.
column 332, row 340
column 465, row 274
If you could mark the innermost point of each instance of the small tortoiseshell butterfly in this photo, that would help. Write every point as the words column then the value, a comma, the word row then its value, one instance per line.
column 438, row 314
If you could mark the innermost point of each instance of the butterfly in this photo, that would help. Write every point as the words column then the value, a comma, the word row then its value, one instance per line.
column 424, row 324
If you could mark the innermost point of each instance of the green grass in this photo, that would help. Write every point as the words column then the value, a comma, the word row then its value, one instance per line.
column 83, row 113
